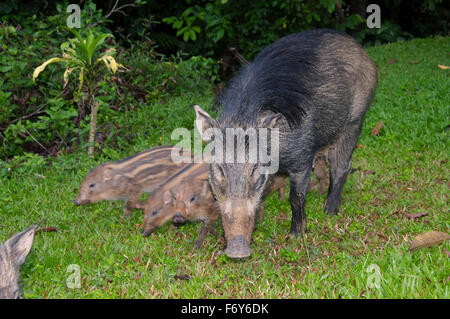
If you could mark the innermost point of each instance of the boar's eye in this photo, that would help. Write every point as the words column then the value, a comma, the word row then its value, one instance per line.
column 154, row 213
column 91, row 185
column 193, row 198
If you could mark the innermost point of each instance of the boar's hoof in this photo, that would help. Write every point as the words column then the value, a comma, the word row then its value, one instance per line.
column 331, row 207
column 238, row 247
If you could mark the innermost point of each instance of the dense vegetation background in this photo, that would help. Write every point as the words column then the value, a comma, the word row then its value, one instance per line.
column 168, row 48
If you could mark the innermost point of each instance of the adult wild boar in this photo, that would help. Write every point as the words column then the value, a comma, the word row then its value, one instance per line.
column 315, row 88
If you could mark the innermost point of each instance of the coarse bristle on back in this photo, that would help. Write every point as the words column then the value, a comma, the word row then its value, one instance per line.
column 279, row 80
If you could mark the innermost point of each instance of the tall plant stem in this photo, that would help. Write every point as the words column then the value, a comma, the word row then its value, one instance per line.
column 93, row 126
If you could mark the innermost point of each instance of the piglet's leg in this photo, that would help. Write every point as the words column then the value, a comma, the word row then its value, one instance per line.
column 201, row 236
column 207, row 227
column 130, row 204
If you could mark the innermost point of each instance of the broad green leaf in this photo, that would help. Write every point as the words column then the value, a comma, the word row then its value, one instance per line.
column 186, row 36
column 178, row 24
column 182, row 31
column 94, row 43
column 193, row 35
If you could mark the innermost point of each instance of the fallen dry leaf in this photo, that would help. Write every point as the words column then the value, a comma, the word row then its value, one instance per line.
column 392, row 61
column 370, row 172
column 414, row 61
column 377, row 128
column 432, row 238
column 394, row 213
column 360, row 146
column 413, row 217
column 47, row 229
column 443, row 67
column 182, row 277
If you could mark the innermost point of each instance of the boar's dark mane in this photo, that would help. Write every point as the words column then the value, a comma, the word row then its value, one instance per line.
column 282, row 79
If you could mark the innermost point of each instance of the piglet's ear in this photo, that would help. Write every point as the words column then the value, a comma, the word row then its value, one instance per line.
column 205, row 188
column 107, row 173
column 203, row 121
column 167, row 197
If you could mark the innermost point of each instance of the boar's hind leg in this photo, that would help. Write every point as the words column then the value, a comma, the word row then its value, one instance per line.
column 340, row 158
column 297, row 196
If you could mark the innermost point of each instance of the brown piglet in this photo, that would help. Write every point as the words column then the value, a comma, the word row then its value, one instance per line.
column 129, row 178
column 194, row 201
column 159, row 207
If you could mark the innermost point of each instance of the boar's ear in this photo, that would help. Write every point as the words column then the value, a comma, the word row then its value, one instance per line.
column 107, row 173
column 268, row 120
column 20, row 245
column 203, row 121
column 167, row 197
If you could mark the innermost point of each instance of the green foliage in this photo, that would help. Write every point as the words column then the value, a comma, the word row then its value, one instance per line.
column 211, row 27
column 56, row 122
column 251, row 26
column 388, row 32
column 45, row 116
column 82, row 55
column 184, row 24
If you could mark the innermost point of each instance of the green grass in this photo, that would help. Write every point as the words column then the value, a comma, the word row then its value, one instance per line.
column 409, row 157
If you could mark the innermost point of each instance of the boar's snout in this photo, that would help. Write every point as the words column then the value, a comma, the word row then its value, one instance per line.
column 238, row 247
column 76, row 202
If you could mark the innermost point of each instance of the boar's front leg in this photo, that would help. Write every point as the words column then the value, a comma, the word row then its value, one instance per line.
column 260, row 211
column 297, row 196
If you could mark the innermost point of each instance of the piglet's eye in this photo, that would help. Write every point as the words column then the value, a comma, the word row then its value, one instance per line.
column 154, row 212
column 193, row 198
column 91, row 185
